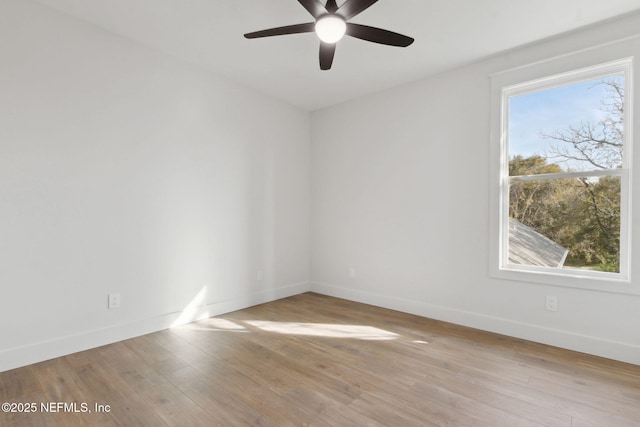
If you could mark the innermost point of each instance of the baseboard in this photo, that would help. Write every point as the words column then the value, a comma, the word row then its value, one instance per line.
column 61, row 346
column 620, row 351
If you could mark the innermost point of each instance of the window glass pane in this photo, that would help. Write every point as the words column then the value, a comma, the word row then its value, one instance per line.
column 572, row 128
column 565, row 223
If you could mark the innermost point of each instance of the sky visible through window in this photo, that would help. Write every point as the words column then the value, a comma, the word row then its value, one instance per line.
column 543, row 112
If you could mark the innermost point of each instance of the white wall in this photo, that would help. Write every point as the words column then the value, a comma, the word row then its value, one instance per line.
column 123, row 170
column 400, row 185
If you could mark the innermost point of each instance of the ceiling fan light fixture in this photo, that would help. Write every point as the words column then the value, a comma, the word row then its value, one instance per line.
column 331, row 25
column 330, row 28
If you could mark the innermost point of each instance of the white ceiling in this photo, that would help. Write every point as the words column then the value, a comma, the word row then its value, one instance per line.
column 448, row 33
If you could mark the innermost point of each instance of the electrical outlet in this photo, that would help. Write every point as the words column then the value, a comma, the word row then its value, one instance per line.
column 114, row 301
column 551, row 303
column 352, row 273
column 259, row 275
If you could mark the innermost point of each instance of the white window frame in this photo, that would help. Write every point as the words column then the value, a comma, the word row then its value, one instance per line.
column 611, row 59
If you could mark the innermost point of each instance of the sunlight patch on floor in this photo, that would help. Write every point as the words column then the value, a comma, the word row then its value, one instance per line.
column 324, row 330
column 216, row 324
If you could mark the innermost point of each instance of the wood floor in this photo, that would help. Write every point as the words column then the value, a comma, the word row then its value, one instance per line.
column 317, row 360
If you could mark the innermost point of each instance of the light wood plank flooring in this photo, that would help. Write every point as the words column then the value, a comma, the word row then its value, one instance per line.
column 316, row 360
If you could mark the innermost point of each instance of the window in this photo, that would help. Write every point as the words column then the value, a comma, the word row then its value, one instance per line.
column 564, row 175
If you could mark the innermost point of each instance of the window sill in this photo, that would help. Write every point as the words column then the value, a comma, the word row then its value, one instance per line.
column 604, row 282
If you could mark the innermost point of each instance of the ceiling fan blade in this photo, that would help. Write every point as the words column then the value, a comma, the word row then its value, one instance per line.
column 314, row 7
column 331, row 6
column 281, row 31
column 351, row 8
column 327, row 51
column 378, row 35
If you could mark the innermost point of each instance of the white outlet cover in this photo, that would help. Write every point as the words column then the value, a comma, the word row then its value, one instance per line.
column 551, row 303
column 114, row 301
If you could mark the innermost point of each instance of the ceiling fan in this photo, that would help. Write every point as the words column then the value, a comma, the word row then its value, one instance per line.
column 331, row 25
